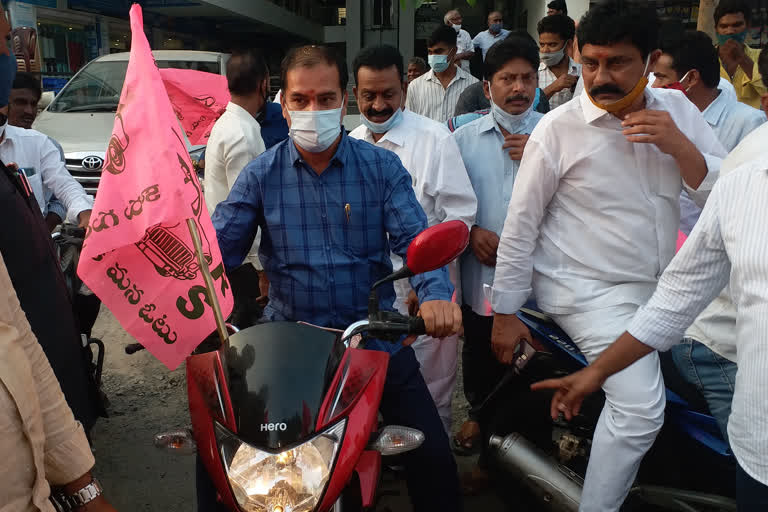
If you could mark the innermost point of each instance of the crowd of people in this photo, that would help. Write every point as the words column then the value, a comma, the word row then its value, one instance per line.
column 575, row 162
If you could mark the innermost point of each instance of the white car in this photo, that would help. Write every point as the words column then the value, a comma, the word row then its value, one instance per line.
column 82, row 115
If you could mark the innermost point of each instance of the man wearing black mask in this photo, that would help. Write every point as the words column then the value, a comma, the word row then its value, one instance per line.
column 26, row 247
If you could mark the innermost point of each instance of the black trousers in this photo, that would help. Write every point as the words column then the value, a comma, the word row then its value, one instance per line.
column 751, row 495
column 430, row 470
column 481, row 370
column 245, row 289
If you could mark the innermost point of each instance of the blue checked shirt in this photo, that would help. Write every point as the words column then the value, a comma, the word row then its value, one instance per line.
column 321, row 264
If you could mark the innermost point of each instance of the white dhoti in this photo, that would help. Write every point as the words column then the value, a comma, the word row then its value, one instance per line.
column 633, row 413
column 438, row 358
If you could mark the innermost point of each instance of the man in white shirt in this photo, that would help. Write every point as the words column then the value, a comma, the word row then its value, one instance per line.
column 465, row 50
column 492, row 148
column 706, row 357
column 558, row 73
column 37, row 156
column 234, row 142
column 435, row 93
column 593, row 222
column 22, row 111
column 440, row 182
column 727, row 244
column 495, row 33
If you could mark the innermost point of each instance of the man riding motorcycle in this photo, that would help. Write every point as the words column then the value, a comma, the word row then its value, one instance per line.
column 331, row 209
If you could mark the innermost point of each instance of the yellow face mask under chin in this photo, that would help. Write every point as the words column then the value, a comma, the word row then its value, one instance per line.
column 629, row 99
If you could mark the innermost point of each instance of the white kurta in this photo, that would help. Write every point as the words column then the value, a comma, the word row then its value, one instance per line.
column 41, row 160
column 592, row 223
column 235, row 141
column 593, row 218
column 430, row 154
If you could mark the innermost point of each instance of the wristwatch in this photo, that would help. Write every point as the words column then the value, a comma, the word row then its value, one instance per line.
column 72, row 502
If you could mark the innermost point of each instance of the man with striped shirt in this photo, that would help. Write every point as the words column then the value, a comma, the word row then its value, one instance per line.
column 435, row 94
column 558, row 73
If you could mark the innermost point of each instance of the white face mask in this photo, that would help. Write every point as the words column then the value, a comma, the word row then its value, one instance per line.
column 553, row 58
column 510, row 122
column 457, row 27
column 387, row 125
column 315, row 130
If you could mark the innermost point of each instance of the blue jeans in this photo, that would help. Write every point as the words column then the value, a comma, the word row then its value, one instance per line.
column 713, row 375
column 430, row 471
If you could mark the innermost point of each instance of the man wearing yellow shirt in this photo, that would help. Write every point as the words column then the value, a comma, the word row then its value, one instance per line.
column 738, row 62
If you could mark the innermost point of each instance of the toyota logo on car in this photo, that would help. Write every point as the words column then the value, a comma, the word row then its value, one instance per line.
column 92, row 163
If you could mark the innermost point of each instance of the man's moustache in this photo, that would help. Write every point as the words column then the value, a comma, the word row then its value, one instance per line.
column 518, row 97
column 379, row 113
column 605, row 89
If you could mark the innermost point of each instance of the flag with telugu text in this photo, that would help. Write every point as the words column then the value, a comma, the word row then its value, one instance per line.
column 138, row 256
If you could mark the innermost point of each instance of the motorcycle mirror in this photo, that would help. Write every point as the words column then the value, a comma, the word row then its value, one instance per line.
column 433, row 248
column 181, row 442
column 395, row 439
column 437, row 246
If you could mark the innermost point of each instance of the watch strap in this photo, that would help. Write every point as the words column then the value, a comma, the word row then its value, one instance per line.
column 71, row 502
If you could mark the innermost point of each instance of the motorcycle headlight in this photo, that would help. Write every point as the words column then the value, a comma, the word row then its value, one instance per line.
column 289, row 481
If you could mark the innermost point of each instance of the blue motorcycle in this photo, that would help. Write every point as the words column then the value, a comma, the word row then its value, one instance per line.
column 689, row 469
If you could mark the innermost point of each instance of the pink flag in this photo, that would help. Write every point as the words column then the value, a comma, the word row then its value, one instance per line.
column 680, row 240
column 138, row 256
column 198, row 99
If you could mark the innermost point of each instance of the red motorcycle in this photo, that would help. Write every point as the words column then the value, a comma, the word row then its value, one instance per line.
column 285, row 415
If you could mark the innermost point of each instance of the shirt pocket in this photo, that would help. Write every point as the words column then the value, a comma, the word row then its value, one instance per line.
column 665, row 179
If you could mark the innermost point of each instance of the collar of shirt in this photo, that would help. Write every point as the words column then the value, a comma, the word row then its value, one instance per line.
column 714, row 112
column 488, row 123
column 502, row 33
column 460, row 75
column 338, row 158
column 11, row 133
column 592, row 113
column 396, row 135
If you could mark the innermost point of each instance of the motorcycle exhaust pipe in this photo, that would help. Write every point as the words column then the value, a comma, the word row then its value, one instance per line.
column 554, row 484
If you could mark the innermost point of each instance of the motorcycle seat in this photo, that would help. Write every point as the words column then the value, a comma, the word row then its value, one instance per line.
column 543, row 325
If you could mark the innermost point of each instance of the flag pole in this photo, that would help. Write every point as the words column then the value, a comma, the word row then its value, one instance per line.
column 221, row 326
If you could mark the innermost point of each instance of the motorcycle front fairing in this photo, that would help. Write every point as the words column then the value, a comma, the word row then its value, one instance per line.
column 279, row 374
column 277, row 386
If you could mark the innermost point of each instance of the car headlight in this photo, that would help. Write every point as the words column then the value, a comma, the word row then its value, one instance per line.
column 289, row 481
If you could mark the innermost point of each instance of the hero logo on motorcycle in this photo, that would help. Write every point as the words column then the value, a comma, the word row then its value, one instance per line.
column 271, row 427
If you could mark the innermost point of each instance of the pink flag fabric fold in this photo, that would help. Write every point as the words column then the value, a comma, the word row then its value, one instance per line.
column 681, row 238
column 198, row 99
column 138, row 255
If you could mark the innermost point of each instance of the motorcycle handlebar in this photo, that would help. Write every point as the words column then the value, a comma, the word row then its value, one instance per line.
column 416, row 325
